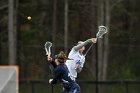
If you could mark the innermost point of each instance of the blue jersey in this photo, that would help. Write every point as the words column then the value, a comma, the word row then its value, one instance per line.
column 61, row 74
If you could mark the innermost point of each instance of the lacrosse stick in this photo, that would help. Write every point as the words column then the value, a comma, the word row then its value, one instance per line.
column 48, row 53
column 100, row 33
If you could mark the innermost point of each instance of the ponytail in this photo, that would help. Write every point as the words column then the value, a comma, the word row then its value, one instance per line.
column 61, row 57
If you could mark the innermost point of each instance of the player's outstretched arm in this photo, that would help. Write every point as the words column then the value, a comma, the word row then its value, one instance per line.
column 79, row 46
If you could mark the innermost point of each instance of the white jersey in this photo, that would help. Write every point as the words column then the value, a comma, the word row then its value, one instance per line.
column 71, row 64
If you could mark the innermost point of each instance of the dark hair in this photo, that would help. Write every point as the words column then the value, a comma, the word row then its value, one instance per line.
column 61, row 57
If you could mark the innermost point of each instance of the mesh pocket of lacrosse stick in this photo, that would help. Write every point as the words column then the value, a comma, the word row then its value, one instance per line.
column 47, row 47
column 101, row 32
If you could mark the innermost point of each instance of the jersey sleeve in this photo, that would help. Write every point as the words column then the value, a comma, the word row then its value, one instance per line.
column 77, row 47
column 57, row 76
column 53, row 64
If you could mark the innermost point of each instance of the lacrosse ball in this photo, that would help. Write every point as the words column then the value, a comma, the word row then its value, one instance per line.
column 29, row 18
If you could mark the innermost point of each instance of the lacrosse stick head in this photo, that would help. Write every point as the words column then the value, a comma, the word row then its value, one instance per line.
column 48, row 48
column 101, row 32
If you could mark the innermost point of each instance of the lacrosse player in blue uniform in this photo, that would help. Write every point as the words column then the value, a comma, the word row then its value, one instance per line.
column 61, row 74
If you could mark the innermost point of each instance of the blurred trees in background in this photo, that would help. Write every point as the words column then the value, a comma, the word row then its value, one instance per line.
column 118, row 50
column 124, row 54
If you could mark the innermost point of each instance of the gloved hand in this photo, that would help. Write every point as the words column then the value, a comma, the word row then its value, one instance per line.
column 50, row 80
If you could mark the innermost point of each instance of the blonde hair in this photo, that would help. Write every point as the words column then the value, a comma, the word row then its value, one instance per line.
column 61, row 57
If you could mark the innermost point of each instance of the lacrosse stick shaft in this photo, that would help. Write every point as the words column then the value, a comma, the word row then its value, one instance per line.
column 48, row 53
column 88, row 49
column 51, row 72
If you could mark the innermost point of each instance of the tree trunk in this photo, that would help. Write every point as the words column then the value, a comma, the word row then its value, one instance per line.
column 103, row 43
column 66, row 27
column 100, row 41
column 100, row 46
column 11, row 35
column 54, row 25
column 106, row 44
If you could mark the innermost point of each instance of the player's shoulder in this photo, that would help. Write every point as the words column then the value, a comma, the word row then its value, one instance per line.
column 60, row 67
column 73, row 50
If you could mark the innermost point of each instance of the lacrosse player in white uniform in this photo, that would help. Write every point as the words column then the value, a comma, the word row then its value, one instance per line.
column 78, row 59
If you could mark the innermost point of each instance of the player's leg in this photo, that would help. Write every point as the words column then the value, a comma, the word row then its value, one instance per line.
column 65, row 90
column 75, row 88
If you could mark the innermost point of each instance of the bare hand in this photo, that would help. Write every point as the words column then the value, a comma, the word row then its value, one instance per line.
column 78, row 66
column 49, row 58
column 94, row 40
